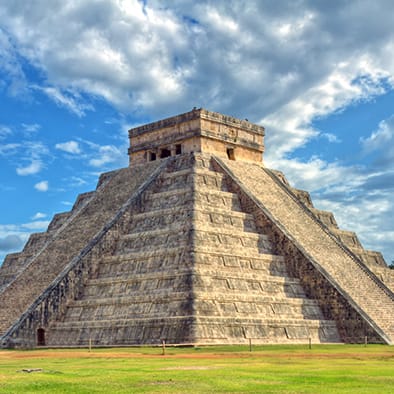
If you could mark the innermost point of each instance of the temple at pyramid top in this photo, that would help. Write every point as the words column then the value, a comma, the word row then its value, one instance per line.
column 197, row 131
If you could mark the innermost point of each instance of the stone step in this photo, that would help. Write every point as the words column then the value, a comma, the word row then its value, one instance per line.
column 91, row 216
column 248, row 321
column 223, row 330
column 159, row 219
column 230, row 240
column 151, row 283
column 320, row 247
column 146, row 241
column 181, row 232
column 217, row 199
column 163, row 258
column 255, row 259
column 185, row 196
column 167, row 217
column 147, row 331
column 371, row 258
column 291, row 288
column 179, row 281
column 200, row 296
column 198, row 176
column 244, row 283
column 167, row 199
column 162, row 296
column 231, row 308
column 349, row 238
column 58, row 220
column 326, row 217
column 230, row 273
column 222, row 219
column 194, row 171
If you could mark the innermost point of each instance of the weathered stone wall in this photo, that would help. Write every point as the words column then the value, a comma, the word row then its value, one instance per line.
column 183, row 263
column 197, row 131
column 194, row 249
column 349, row 276
column 27, row 288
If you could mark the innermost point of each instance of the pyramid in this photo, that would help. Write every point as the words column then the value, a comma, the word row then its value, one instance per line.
column 196, row 242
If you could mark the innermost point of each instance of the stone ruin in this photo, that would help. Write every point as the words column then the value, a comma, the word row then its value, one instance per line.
column 196, row 242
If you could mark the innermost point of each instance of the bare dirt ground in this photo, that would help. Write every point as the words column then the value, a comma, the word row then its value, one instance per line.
column 85, row 353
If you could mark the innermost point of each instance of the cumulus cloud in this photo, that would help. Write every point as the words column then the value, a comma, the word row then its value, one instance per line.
column 281, row 64
column 33, row 168
column 151, row 56
column 42, row 186
column 14, row 236
column 94, row 155
column 11, row 242
column 106, row 154
column 39, row 215
column 69, row 147
column 37, row 225
column 381, row 143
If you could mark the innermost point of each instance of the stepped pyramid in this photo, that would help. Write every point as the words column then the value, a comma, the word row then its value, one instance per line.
column 196, row 242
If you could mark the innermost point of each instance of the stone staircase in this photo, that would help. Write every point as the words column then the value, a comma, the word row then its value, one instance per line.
column 321, row 245
column 141, row 291
column 66, row 238
column 15, row 263
column 242, row 289
column 189, row 266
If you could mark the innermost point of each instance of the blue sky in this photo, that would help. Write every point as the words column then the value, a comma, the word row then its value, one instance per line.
column 76, row 75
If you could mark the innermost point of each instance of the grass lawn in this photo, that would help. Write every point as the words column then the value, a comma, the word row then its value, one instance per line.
column 225, row 369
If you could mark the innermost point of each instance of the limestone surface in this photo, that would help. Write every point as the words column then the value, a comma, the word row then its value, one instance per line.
column 197, row 242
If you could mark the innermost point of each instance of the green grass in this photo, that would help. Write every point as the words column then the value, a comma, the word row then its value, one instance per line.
column 224, row 369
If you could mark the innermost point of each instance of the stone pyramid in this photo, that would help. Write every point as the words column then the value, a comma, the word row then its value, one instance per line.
column 196, row 242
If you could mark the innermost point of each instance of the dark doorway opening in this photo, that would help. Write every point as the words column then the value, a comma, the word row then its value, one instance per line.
column 165, row 153
column 230, row 153
column 40, row 337
column 152, row 156
column 178, row 149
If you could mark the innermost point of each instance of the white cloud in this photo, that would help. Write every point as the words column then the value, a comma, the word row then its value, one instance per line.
column 39, row 215
column 290, row 124
column 34, row 167
column 70, row 100
column 9, row 149
column 11, row 242
column 30, row 128
column 156, row 57
column 14, row 236
column 382, row 138
column 106, row 154
column 282, row 64
column 38, row 225
column 76, row 181
column 69, row 147
column 4, row 131
column 42, row 186
column 13, row 77
column 331, row 137
column 32, row 153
